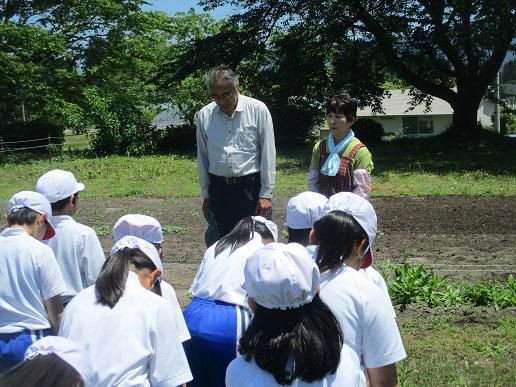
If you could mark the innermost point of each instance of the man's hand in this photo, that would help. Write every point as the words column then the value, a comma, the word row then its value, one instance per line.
column 206, row 209
column 264, row 208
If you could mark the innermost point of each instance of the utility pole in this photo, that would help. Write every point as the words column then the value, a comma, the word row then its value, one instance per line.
column 497, row 104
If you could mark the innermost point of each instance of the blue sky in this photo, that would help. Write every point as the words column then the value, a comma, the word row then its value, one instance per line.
column 173, row 6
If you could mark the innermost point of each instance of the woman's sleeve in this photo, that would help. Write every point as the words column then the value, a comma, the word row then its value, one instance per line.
column 362, row 183
column 313, row 181
column 313, row 171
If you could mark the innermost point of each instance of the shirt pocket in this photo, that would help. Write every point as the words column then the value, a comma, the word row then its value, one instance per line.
column 248, row 139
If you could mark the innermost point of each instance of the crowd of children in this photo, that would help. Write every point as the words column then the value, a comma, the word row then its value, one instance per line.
column 313, row 312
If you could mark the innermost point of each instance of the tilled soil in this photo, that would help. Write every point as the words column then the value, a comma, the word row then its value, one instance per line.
column 466, row 238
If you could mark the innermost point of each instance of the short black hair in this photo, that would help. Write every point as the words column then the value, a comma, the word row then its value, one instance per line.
column 299, row 235
column 60, row 204
column 342, row 104
column 22, row 216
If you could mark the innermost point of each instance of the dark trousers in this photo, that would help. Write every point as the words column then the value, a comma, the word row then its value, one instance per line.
column 233, row 199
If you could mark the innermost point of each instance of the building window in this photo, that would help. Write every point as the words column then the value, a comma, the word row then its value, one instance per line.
column 418, row 125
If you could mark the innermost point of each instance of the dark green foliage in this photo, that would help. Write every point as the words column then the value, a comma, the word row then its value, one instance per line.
column 179, row 137
column 37, row 135
column 508, row 120
column 448, row 49
column 368, row 131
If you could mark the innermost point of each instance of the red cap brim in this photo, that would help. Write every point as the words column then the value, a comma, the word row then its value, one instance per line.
column 49, row 232
column 368, row 259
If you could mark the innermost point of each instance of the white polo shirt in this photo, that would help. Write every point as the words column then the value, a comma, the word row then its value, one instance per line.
column 247, row 373
column 370, row 273
column 365, row 315
column 169, row 295
column 78, row 252
column 29, row 276
column 221, row 278
column 131, row 344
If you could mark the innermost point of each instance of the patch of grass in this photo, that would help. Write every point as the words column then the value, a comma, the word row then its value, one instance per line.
column 402, row 167
column 102, row 228
column 447, row 354
column 167, row 229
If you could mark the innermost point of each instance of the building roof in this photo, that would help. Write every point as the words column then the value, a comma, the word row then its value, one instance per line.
column 398, row 105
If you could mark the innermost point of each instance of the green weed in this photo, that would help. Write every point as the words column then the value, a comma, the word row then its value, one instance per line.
column 414, row 283
column 167, row 229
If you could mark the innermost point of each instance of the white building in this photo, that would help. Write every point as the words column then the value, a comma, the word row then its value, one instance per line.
column 397, row 119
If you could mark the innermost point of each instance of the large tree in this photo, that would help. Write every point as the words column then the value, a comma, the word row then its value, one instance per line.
column 451, row 49
column 291, row 68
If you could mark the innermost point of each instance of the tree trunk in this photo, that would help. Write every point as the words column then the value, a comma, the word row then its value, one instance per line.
column 464, row 123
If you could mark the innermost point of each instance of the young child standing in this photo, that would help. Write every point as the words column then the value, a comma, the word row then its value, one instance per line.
column 340, row 163
column 52, row 361
column 302, row 212
column 363, row 213
column 344, row 239
column 218, row 313
column 149, row 229
column 294, row 338
column 124, row 327
column 76, row 246
column 30, row 280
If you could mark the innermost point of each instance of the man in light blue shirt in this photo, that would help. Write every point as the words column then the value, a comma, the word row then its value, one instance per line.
column 236, row 153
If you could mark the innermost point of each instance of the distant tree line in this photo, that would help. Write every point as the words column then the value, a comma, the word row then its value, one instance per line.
column 109, row 66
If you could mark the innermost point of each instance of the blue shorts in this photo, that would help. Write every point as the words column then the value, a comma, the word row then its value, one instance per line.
column 14, row 345
column 215, row 328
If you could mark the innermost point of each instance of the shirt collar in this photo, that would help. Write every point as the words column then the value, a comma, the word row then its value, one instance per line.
column 239, row 107
column 13, row 231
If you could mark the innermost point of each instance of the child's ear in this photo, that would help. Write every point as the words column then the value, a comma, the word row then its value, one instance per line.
column 155, row 274
column 312, row 237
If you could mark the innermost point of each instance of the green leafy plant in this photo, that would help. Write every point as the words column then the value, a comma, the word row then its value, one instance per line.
column 495, row 293
column 409, row 284
column 414, row 284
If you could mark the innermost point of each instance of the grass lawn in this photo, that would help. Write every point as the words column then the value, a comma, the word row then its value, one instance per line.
column 442, row 351
column 477, row 351
column 404, row 167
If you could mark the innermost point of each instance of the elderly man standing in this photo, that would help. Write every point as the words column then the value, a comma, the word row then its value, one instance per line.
column 236, row 154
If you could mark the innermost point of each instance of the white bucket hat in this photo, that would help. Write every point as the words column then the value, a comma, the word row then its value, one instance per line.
column 35, row 201
column 141, row 226
column 362, row 211
column 145, row 247
column 305, row 209
column 70, row 351
column 271, row 226
column 57, row 185
column 280, row 276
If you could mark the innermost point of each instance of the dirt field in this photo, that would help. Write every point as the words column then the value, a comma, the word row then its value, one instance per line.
column 468, row 238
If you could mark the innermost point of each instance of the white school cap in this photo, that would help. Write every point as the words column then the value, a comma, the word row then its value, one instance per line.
column 141, row 226
column 280, row 276
column 305, row 209
column 271, row 226
column 362, row 211
column 35, row 201
column 70, row 351
column 145, row 247
column 58, row 185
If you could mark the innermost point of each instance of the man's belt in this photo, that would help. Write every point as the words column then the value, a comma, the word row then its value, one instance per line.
column 236, row 180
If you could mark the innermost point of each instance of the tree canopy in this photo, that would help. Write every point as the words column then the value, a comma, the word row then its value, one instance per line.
column 451, row 49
